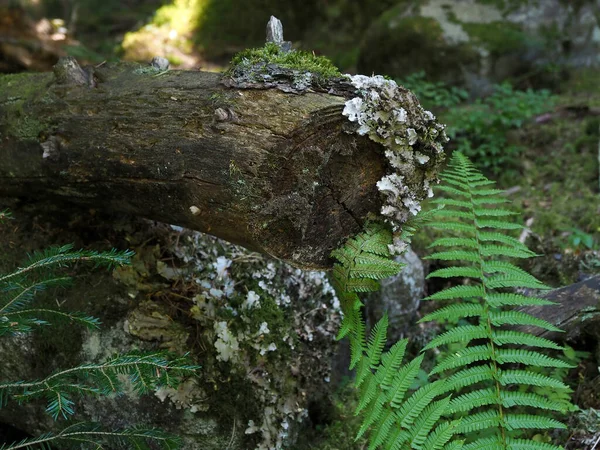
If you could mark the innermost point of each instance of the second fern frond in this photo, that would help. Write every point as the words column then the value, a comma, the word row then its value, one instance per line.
column 491, row 374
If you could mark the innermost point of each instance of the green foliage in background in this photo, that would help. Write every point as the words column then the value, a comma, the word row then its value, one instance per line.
column 488, row 392
column 144, row 371
column 479, row 130
column 433, row 94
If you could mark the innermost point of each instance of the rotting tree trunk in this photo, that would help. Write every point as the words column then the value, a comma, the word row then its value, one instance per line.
column 577, row 311
column 272, row 171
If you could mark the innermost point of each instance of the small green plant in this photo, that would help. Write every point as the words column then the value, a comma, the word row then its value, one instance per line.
column 490, row 389
column 480, row 129
column 144, row 371
column 431, row 94
column 578, row 240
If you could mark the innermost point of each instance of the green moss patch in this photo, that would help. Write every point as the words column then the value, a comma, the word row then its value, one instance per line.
column 398, row 46
column 498, row 37
column 16, row 91
column 300, row 60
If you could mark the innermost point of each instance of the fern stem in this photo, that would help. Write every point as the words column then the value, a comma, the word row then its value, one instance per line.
column 486, row 314
column 32, row 288
column 80, row 436
column 86, row 368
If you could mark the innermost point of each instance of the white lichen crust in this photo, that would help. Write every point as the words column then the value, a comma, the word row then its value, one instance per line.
column 413, row 140
column 265, row 320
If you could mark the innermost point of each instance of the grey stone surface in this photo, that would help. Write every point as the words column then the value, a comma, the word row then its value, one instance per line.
column 262, row 331
column 399, row 296
column 160, row 63
column 478, row 42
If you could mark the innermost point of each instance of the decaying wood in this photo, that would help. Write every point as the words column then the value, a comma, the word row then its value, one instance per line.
column 272, row 171
column 577, row 311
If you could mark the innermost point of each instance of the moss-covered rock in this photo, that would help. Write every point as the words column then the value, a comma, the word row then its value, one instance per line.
column 262, row 331
column 480, row 41
column 398, row 46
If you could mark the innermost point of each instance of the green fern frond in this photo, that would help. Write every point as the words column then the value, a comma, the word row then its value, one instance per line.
column 528, row 357
column 499, row 318
column 463, row 291
column 483, row 361
column 473, row 399
column 377, row 342
column 503, row 337
column 455, row 255
column 524, row 377
column 454, row 190
column 372, row 415
column 453, row 226
column 136, row 438
column 510, row 398
column 489, row 377
column 403, row 380
column 381, row 432
column 454, row 214
column 146, row 372
column 497, row 224
column 455, row 312
column 487, row 212
column 500, row 250
column 427, row 420
column 522, row 444
column 479, row 421
column 507, row 268
column 496, row 300
column 453, row 202
column 488, row 443
column 439, row 438
column 528, row 421
column 469, row 377
column 464, row 333
column 391, row 362
column 464, row 357
column 417, row 402
column 368, row 393
column 454, row 242
column 511, row 281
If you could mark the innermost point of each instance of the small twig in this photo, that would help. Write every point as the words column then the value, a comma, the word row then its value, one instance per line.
column 596, row 443
column 526, row 231
column 232, row 433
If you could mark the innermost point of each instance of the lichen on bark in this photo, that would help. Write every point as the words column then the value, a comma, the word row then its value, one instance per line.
column 413, row 141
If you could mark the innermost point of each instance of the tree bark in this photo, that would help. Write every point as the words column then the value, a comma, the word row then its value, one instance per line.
column 275, row 172
column 577, row 311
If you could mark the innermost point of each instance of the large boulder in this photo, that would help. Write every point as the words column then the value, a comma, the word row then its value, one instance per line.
column 262, row 331
column 478, row 42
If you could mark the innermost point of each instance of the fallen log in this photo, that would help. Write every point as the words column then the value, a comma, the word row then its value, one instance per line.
column 280, row 155
column 272, row 171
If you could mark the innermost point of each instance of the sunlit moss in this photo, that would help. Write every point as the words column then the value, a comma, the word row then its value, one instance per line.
column 168, row 34
column 180, row 15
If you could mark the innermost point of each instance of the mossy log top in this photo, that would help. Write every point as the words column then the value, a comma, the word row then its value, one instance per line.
column 274, row 172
